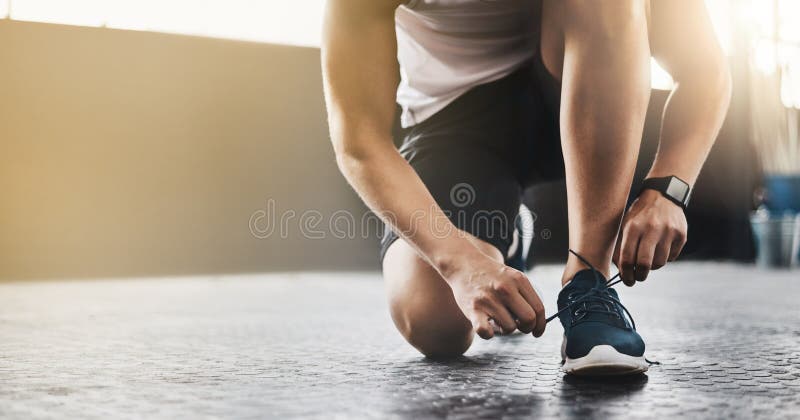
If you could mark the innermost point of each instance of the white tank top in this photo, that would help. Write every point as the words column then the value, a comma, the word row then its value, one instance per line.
column 446, row 47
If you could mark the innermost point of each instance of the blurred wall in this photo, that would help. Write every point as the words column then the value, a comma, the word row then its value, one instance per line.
column 131, row 153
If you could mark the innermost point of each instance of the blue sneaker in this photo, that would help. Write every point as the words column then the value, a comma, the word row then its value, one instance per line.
column 600, row 336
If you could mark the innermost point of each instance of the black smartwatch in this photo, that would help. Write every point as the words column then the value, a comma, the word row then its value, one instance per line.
column 671, row 187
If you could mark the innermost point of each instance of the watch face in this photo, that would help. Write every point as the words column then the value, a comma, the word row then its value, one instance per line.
column 678, row 189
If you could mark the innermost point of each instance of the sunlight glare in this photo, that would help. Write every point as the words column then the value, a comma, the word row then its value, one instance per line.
column 276, row 21
column 659, row 78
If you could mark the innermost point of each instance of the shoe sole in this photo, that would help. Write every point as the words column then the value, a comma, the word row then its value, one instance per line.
column 605, row 360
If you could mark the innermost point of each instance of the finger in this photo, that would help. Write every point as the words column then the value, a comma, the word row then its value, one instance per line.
column 677, row 247
column 496, row 328
column 502, row 317
column 644, row 255
column 532, row 298
column 482, row 326
column 627, row 258
column 522, row 311
column 661, row 253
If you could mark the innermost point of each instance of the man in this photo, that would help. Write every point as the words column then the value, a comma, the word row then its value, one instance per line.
column 498, row 95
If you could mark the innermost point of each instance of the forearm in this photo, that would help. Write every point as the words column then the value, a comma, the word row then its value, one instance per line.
column 692, row 118
column 394, row 191
column 697, row 106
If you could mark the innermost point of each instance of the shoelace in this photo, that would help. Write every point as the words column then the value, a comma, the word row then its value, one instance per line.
column 597, row 294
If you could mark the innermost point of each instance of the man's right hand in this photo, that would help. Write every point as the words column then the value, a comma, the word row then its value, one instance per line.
column 486, row 289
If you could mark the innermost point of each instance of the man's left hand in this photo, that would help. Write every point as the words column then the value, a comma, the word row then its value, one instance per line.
column 653, row 232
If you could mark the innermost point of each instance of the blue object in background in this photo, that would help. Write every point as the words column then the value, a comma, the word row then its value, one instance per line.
column 782, row 193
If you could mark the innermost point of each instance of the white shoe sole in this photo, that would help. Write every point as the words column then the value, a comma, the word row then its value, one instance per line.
column 605, row 360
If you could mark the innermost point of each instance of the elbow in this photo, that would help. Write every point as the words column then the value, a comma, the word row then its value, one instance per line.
column 353, row 155
column 348, row 158
column 719, row 84
column 346, row 147
column 714, row 80
column 359, row 143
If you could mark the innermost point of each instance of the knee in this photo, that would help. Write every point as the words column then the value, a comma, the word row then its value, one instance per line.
column 422, row 305
column 606, row 19
column 432, row 333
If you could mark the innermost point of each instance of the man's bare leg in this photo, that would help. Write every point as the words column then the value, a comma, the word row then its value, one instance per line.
column 601, row 52
column 422, row 304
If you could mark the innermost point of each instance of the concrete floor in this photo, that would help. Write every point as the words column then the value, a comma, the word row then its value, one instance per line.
column 323, row 346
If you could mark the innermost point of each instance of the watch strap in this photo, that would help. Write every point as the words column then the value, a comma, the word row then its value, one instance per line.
column 671, row 187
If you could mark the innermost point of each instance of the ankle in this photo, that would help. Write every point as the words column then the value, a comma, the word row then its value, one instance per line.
column 601, row 263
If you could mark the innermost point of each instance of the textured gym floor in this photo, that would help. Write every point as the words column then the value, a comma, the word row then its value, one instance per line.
column 320, row 345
